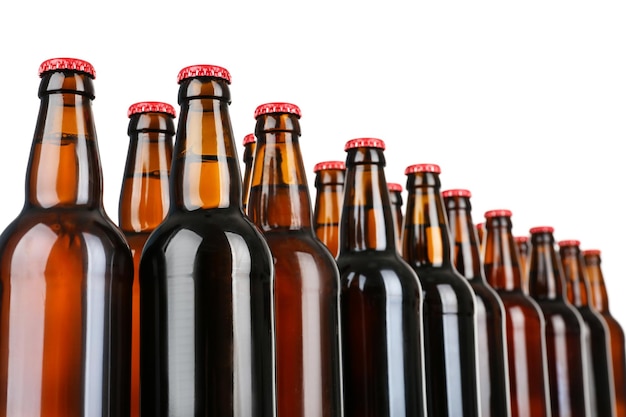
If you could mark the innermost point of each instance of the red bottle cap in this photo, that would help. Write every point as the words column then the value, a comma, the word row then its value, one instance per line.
column 74, row 64
column 277, row 108
column 592, row 252
column 151, row 107
column 329, row 165
column 394, row 186
column 521, row 239
column 569, row 242
column 412, row 169
column 249, row 138
column 459, row 192
column 364, row 143
column 204, row 71
column 498, row 213
column 480, row 225
column 541, row 229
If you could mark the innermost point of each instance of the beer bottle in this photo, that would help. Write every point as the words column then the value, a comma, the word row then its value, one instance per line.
column 329, row 181
column 449, row 302
column 65, row 268
column 565, row 349
column 381, row 297
column 600, row 302
column 480, row 232
column 525, row 325
column 490, row 330
column 306, row 283
column 522, row 245
column 600, row 373
column 249, row 149
column 395, row 196
column 144, row 197
column 206, row 274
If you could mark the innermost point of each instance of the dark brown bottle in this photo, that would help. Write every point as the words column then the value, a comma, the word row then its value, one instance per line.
column 65, row 268
column 525, row 325
column 493, row 368
column 449, row 301
column 600, row 301
column 395, row 197
column 480, row 232
column 144, row 197
column 206, row 274
column 249, row 149
column 329, row 180
column 381, row 297
column 565, row 348
column 306, row 283
column 522, row 243
column 601, row 385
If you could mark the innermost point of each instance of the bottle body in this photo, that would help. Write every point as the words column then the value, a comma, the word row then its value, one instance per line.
column 329, row 184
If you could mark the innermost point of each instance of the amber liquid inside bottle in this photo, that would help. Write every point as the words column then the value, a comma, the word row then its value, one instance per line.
column 395, row 198
column 249, row 151
column 522, row 244
column 66, row 273
column 329, row 184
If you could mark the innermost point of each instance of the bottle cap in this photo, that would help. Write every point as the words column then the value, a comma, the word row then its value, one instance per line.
column 498, row 213
column 521, row 239
column 412, row 169
column 329, row 165
column 151, row 107
column 249, row 138
column 541, row 229
column 459, row 192
column 203, row 71
column 592, row 252
column 277, row 108
column 74, row 64
column 364, row 143
column 394, row 186
column 569, row 242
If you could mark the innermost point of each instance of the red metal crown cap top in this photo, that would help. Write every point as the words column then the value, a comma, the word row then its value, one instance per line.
column 249, row 138
column 394, row 186
column 278, row 107
column 74, row 64
column 569, row 242
column 329, row 165
column 498, row 213
column 412, row 169
column 541, row 229
column 364, row 143
column 458, row 192
column 592, row 252
column 151, row 107
column 480, row 225
column 204, row 71
column 521, row 239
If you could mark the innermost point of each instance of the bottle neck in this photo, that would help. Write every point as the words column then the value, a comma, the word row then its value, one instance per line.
column 248, row 160
column 329, row 185
column 466, row 252
column 575, row 276
column 279, row 194
column 426, row 238
column 144, row 199
column 205, row 171
column 366, row 219
column 64, row 167
column 501, row 260
column 545, row 274
column 599, row 296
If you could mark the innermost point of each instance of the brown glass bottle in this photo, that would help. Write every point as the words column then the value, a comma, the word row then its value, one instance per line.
column 480, row 232
column 306, row 283
column 449, row 301
column 65, row 268
column 144, row 197
column 600, row 301
column 381, row 297
column 565, row 349
column 600, row 373
column 493, row 368
column 395, row 197
column 206, row 274
column 329, row 180
column 525, row 325
column 249, row 149
column 522, row 244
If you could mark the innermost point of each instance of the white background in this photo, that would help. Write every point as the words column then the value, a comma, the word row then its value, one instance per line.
column 522, row 103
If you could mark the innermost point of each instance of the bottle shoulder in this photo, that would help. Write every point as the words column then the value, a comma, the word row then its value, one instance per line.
column 559, row 313
column 300, row 252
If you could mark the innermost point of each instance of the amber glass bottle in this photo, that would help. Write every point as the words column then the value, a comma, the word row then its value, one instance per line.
column 601, row 386
column 480, row 232
column 600, row 301
column 525, row 325
column 395, row 197
column 490, row 327
column 566, row 352
column 449, row 302
column 381, row 297
column 249, row 149
column 329, row 181
column 65, row 268
column 522, row 244
column 145, row 196
column 206, row 274
column 306, row 283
